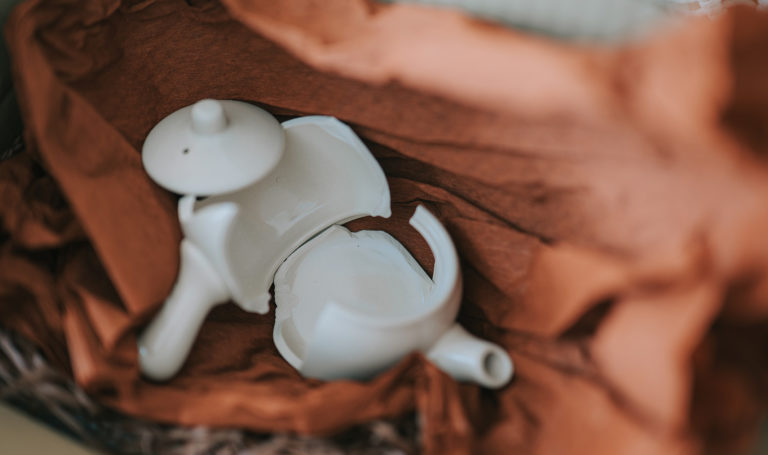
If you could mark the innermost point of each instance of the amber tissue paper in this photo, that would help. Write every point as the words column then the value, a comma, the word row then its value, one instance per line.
column 609, row 205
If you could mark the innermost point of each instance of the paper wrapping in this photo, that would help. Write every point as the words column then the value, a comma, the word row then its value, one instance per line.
column 609, row 206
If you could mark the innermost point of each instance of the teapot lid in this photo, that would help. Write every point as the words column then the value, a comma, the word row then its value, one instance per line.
column 213, row 147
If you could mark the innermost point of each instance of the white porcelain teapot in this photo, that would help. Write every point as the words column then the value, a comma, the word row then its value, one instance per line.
column 349, row 305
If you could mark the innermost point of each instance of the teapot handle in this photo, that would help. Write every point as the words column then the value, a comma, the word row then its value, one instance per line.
column 165, row 344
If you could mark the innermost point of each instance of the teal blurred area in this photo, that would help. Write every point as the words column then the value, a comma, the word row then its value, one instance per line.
column 592, row 21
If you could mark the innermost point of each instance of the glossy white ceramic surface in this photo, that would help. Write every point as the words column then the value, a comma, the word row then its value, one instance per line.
column 213, row 147
column 326, row 176
column 350, row 305
column 235, row 241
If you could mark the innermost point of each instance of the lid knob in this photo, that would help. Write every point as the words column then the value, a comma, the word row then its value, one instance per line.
column 208, row 117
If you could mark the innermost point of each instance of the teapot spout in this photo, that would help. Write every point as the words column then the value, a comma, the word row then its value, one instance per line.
column 468, row 358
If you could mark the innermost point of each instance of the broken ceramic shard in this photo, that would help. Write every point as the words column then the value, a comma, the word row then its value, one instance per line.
column 235, row 239
column 348, row 305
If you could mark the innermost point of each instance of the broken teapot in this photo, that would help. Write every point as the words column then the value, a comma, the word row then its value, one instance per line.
column 348, row 305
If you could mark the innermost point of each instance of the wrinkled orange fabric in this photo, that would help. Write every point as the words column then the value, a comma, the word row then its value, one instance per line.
column 609, row 205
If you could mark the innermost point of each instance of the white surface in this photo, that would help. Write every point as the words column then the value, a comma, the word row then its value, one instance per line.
column 165, row 344
column 327, row 176
column 235, row 241
column 350, row 305
column 468, row 358
column 213, row 147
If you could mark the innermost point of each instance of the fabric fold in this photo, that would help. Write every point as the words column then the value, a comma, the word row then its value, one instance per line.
column 608, row 206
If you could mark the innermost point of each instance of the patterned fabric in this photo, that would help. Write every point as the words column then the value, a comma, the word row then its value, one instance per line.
column 31, row 384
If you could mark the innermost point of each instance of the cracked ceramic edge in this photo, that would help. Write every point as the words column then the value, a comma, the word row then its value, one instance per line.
column 312, row 159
